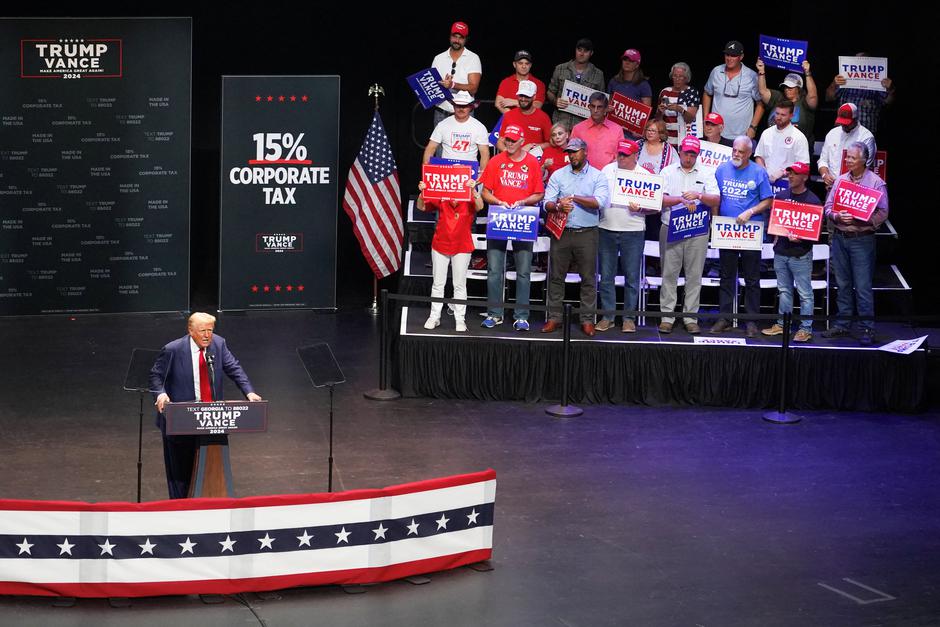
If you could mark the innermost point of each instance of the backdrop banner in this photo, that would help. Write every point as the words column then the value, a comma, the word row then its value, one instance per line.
column 280, row 144
column 94, row 165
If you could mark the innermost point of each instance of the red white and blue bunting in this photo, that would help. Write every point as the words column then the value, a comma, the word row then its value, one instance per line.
column 226, row 546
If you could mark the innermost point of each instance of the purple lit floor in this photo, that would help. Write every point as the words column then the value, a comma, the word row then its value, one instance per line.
column 623, row 516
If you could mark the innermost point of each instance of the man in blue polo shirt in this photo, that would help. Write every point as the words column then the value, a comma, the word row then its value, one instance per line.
column 745, row 195
column 578, row 190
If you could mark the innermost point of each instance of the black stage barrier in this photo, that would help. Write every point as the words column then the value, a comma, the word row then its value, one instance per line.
column 529, row 367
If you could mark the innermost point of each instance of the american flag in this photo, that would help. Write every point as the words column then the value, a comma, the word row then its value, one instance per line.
column 226, row 546
column 373, row 201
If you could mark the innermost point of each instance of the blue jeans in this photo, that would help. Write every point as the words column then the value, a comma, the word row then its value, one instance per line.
column 853, row 261
column 496, row 275
column 795, row 272
column 630, row 246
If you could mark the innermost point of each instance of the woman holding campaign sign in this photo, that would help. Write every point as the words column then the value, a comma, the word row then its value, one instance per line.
column 630, row 80
column 655, row 154
column 804, row 102
column 451, row 245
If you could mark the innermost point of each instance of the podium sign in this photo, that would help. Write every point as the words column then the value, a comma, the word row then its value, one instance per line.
column 216, row 418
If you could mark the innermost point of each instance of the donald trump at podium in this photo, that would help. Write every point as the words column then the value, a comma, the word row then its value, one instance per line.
column 182, row 373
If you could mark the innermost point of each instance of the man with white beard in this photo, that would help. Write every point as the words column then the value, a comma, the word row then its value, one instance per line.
column 745, row 193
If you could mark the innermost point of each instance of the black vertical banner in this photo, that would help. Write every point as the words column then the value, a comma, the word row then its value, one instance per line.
column 280, row 143
column 94, row 165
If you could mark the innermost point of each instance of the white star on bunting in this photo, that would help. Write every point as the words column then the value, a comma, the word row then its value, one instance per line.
column 342, row 536
column 442, row 522
column 412, row 528
column 228, row 544
column 24, row 547
column 472, row 517
column 266, row 542
column 107, row 547
column 187, row 547
column 65, row 547
column 304, row 539
column 147, row 547
column 380, row 531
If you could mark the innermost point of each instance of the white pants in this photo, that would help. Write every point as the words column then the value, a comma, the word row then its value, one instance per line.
column 459, row 264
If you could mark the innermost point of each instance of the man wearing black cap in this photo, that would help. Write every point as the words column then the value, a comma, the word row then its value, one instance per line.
column 459, row 68
column 579, row 70
column 732, row 91
column 509, row 86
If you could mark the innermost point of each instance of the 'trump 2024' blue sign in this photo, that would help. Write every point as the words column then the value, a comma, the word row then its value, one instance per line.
column 521, row 223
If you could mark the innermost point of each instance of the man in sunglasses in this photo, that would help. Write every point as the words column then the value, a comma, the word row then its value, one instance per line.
column 459, row 68
column 732, row 91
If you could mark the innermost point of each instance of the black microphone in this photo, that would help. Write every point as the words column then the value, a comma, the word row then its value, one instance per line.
column 210, row 364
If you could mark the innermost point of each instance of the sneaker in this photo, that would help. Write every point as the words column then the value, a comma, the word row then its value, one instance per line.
column 720, row 326
column 491, row 322
column 775, row 330
column 521, row 325
column 629, row 326
column 604, row 325
column 834, row 332
column 432, row 323
column 801, row 336
column 867, row 338
column 751, row 330
column 460, row 326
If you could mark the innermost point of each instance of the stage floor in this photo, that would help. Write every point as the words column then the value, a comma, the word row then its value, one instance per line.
column 619, row 517
column 413, row 318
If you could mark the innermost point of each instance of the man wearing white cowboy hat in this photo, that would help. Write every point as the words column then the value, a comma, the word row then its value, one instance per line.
column 460, row 136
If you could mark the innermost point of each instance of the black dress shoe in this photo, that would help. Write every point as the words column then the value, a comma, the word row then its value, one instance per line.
column 835, row 332
column 720, row 326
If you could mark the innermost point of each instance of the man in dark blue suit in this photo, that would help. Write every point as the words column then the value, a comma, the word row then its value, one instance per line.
column 181, row 373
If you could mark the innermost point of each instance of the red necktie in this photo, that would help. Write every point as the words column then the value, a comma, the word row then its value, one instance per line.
column 205, row 389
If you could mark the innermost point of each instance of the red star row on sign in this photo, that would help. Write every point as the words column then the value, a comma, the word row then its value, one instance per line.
column 290, row 98
column 276, row 288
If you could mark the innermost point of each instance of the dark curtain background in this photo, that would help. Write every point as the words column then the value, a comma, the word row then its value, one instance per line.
column 383, row 47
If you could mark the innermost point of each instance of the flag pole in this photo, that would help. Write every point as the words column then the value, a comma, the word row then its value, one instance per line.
column 375, row 90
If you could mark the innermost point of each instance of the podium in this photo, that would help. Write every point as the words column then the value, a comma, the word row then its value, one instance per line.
column 212, row 423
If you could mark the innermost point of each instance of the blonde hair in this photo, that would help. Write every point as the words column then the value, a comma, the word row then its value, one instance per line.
column 199, row 316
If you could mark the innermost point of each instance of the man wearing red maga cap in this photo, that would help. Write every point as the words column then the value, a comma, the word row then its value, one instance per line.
column 459, row 68
column 621, row 239
column 793, row 259
column 846, row 132
column 512, row 178
column 685, row 185
column 714, row 125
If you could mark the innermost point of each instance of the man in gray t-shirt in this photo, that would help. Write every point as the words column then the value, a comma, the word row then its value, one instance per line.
column 732, row 91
